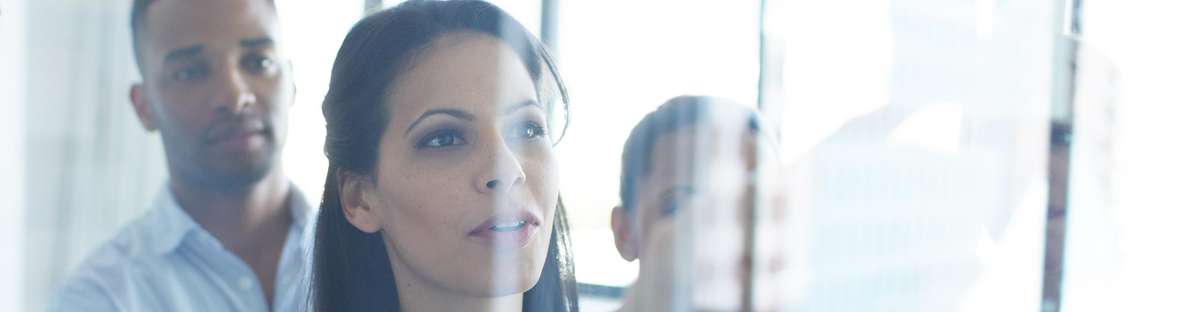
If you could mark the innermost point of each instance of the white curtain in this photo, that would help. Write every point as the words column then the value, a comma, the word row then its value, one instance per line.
column 12, row 164
column 89, row 165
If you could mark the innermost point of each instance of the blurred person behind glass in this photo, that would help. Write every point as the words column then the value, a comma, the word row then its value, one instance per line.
column 691, row 171
column 226, row 231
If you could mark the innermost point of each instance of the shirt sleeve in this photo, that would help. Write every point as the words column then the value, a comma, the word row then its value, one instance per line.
column 82, row 294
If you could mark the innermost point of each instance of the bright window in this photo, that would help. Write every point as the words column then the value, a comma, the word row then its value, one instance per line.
column 622, row 59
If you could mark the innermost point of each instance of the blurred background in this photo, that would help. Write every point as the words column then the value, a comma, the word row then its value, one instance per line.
column 957, row 155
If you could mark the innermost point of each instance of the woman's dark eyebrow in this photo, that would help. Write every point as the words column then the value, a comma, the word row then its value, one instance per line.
column 515, row 107
column 464, row 115
column 456, row 113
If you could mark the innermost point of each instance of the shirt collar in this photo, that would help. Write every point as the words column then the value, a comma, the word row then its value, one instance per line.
column 168, row 225
column 301, row 211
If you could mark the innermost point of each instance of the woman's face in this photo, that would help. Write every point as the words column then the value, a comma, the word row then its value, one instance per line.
column 466, row 183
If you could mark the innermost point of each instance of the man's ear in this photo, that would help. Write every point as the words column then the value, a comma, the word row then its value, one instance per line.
column 141, row 106
column 623, row 234
column 359, row 202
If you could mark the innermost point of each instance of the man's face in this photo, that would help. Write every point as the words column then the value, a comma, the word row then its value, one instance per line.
column 216, row 85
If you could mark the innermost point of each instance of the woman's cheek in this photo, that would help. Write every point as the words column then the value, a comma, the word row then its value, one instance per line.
column 541, row 171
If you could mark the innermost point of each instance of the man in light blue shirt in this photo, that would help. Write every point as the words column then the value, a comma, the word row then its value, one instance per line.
column 227, row 232
column 164, row 261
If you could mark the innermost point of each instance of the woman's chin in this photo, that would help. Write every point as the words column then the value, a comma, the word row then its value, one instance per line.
column 506, row 273
column 500, row 287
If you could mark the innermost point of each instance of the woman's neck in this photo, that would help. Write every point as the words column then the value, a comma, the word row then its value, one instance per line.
column 418, row 294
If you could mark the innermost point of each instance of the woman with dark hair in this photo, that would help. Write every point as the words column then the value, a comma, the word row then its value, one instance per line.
column 442, row 191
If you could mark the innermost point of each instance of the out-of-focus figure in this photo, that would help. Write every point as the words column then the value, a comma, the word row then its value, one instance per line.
column 691, row 195
column 226, row 232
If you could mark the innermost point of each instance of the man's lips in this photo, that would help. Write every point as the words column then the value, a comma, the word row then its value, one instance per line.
column 236, row 131
column 510, row 229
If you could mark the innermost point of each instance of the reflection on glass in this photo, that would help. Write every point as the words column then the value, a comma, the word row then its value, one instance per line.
column 688, row 193
column 920, row 136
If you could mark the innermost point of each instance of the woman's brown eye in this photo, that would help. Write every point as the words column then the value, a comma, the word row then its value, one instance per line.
column 442, row 139
column 532, row 130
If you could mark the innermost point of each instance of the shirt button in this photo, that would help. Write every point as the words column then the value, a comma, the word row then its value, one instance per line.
column 245, row 283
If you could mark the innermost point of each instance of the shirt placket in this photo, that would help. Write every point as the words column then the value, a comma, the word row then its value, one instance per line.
column 243, row 286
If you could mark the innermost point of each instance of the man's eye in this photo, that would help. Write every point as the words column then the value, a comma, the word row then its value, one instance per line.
column 442, row 139
column 259, row 63
column 190, row 73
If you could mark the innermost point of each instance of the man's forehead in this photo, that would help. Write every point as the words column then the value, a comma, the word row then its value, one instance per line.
column 173, row 24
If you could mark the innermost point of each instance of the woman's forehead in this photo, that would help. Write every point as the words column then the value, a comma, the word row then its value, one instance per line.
column 469, row 71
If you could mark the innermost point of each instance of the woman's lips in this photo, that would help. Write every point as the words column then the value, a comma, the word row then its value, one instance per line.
column 506, row 230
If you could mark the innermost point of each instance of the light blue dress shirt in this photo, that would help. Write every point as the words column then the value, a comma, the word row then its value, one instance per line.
column 164, row 261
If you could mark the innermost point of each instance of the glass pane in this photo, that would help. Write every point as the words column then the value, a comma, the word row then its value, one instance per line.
column 619, row 71
column 1131, row 220
column 920, row 133
column 312, row 48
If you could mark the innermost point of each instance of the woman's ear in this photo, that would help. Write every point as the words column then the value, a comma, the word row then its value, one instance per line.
column 359, row 202
column 623, row 234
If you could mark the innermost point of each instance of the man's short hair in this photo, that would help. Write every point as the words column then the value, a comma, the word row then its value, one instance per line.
column 137, row 19
column 677, row 113
column 137, row 23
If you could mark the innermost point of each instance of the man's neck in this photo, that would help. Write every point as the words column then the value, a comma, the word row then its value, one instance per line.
column 233, row 216
column 252, row 222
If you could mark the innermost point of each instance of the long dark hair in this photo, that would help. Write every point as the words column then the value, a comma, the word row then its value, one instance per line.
column 351, row 271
